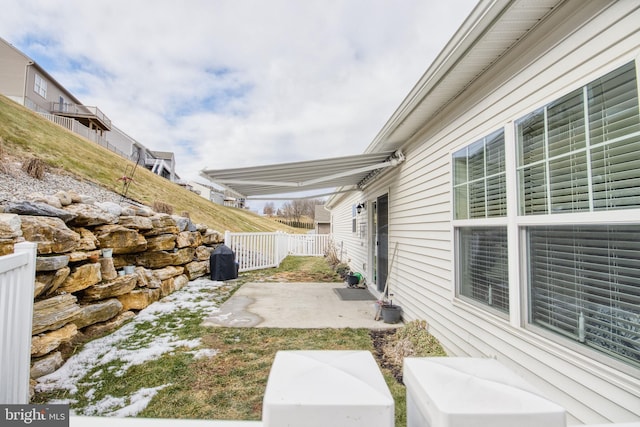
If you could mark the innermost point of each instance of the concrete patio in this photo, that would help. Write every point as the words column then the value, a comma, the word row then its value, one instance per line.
column 298, row 305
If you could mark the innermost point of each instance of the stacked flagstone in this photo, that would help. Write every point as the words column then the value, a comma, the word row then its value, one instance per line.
column 78, row 293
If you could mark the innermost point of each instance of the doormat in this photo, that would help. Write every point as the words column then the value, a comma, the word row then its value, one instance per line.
column 354, row 294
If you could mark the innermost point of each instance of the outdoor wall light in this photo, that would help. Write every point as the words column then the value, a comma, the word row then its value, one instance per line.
column 361, row 207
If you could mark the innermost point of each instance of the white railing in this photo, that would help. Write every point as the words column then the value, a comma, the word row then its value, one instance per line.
column 77, row 128
column 265, row 250
column 17, row 278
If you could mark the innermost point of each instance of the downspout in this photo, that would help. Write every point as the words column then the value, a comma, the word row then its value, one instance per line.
column 26, row 79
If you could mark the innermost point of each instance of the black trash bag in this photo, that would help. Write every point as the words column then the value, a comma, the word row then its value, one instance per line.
column 222, row 263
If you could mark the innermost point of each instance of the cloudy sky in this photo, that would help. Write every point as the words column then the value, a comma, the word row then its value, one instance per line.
column 232, row 83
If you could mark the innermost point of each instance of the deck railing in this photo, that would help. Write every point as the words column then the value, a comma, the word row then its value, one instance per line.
column 17, row 276
column 265, row 250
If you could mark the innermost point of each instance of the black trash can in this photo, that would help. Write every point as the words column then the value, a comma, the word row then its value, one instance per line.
column 222, row 263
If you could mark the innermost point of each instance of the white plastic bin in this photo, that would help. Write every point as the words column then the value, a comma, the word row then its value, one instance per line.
column 327, row 388
column 465, row 392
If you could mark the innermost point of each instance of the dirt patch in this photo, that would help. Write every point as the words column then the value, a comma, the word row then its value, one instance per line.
column 381, row 339
column 412, row 340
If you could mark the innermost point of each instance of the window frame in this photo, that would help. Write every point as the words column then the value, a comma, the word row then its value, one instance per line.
column 40, row 85
column 487, row 221
column 518, row 239
column 590, row 217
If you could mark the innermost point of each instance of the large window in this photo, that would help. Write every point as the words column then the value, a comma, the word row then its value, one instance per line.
column 483, row 266
column 40, row 86
column 574, row 158
column 580, row 153
column 479, row 179
column 585, row 284
column 479, row 187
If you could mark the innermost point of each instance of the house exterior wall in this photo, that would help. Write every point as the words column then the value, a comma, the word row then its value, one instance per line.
column 12, row 73
column 574, row 47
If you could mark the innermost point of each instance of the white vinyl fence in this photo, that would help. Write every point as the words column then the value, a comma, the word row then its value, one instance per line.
column 308, row 244
column 264, row 250
column 17, row 277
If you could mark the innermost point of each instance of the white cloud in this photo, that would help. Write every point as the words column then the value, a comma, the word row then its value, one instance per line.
column 236, row 83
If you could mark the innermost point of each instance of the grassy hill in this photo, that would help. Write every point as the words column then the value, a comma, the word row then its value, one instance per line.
column 25, row 134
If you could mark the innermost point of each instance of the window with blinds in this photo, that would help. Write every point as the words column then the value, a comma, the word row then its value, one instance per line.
column 479, row 185
column 585, row 284
column 579, row 153
column 483, row 266
column 40, row 86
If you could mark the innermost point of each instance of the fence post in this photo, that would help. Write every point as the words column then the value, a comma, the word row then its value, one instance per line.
column 17, row 273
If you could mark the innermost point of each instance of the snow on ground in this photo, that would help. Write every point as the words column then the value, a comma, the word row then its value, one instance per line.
column 134, row 345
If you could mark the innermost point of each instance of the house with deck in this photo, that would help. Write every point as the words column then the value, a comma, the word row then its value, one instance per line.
column 24, row 81
column 501, row 200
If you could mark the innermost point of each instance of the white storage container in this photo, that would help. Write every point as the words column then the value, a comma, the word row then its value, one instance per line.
column 326, row 388
column 466, row 392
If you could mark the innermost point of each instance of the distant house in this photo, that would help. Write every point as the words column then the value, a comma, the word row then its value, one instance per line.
column 25, row 82
column 322, row 220
column 207, row 191
column 28, row 84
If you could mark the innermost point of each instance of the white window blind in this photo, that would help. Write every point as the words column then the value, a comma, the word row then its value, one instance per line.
column 479, row 179
column 579, row 153
column 483, row 266
column 585, row 284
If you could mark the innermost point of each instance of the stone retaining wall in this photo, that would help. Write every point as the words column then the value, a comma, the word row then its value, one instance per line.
column 79, row 293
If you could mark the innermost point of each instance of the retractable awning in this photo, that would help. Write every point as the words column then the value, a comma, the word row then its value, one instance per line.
column 348, row 173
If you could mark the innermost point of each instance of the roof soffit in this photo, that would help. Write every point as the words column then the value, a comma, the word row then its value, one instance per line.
column 491, row 30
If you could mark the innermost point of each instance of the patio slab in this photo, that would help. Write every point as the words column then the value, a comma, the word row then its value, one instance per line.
column 295, row 305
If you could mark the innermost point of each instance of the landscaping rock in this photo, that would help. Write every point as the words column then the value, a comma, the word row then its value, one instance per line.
column 196, row 269
column 102, row 328
column 51, row 263
column 212, row 237
column 189, row 239
column 46, row 343
column 136, row 222
column 107, row 269
column 38, row 209
column 88, row 240
column 112, row 288
column 162, row 224
column 88, row 215
column 51, row 280
column 51, row 234
column 121, row 239
column 203, row 253
column 163, row 242
column 81, row 278
column 97, row 312
column 139, row 299
column 163, row 258
column 10, row 226
column 53, row 313
column 46, row 365
column 64, row 197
